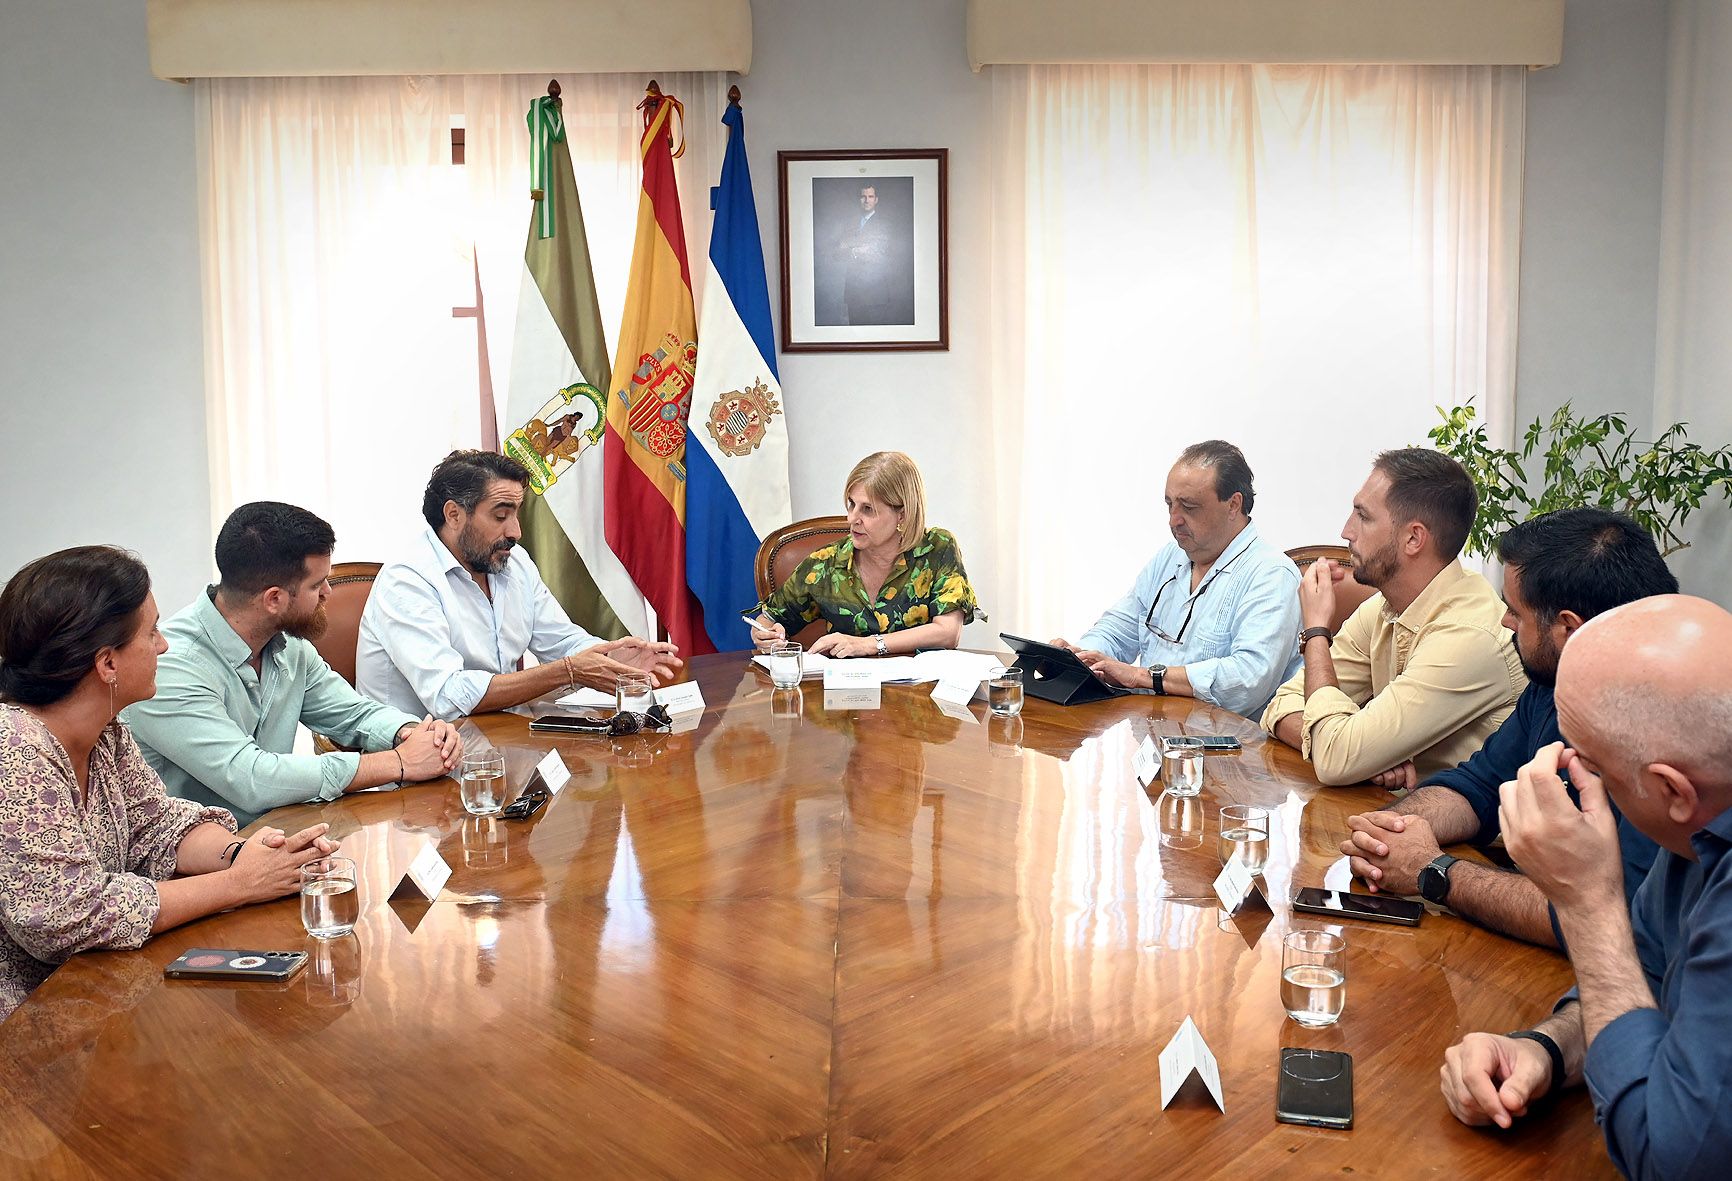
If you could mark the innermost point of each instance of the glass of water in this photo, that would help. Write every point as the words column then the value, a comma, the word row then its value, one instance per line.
column 1314, row 977
column 786, row 665
column 1182, row 765
column 1004, row 692
column 1245, row 835
column 330, row 903
column 482, row 782
column 633, row 693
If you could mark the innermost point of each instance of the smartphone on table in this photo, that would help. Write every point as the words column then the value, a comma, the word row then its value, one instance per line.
column 1377, row 908
column 1315, row 1088
column 211, row 963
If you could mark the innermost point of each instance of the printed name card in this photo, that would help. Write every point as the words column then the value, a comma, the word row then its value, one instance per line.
column 1236, row 887
column 952, row 710
column 1185, row 1055
column 847, row 674
column 1147, row 762
column 553, row 772
column 867, row 697
column 955, row 692
column 426, row 876
column 681, row 699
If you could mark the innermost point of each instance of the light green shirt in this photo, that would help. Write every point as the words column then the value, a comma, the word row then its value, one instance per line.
column 219, row 733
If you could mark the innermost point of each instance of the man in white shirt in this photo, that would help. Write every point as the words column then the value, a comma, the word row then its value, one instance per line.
column 446, row 628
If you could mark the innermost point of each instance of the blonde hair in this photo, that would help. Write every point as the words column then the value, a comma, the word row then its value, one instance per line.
column 891, row 478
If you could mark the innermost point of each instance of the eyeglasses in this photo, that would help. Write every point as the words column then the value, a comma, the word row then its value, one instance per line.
column 1160, row 633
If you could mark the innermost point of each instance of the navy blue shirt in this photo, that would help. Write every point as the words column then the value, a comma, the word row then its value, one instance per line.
column 1661, row 1079
column 1533, row 724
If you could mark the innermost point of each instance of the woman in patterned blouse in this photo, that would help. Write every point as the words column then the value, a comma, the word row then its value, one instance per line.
column 90, row 844
column 893, row 586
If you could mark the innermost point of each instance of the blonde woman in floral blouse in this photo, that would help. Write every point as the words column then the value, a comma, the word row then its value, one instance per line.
column 892, row 586
column 93, row 853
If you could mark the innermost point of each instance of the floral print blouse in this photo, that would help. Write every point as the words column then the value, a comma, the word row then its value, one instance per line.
column 71, row 878
column 924, row 583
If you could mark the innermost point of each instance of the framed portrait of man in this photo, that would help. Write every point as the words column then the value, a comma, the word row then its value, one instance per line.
column 864, row 262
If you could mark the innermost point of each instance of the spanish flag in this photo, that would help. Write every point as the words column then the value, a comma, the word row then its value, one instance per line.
column 651, row 394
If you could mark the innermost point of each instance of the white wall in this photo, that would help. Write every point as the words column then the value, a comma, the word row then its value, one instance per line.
column 1591, row 214
column 99, row 281
column 101, row 368
column 1693, row 382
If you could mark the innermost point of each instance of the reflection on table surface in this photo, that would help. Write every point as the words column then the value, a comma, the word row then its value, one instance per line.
column 788, row 942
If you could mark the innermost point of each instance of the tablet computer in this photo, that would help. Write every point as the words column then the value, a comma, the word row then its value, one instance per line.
column 1055, row 674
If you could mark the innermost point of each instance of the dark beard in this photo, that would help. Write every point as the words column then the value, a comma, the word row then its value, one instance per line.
column 481, row 561
column 312, row 627
column 1377, row 568
column 1538, row 675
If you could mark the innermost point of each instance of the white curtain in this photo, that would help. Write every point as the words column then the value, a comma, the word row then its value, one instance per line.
column 337, row 237
column 1302, row 260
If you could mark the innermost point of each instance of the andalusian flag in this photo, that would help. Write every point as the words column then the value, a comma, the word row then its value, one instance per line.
column 738, row 459
column 557, row 403
column 652, row 394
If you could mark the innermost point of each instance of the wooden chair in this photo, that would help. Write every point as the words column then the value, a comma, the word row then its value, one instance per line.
column 351, row 583
column 786, row 548
column 1349, row 592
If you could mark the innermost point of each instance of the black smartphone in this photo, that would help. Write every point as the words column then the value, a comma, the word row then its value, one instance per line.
column 1213, row 744
column 1379, row 908
column 1316, row 1088
column 209, row 963
column 570, row 724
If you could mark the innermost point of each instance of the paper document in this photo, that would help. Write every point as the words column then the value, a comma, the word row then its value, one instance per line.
column 920, row 669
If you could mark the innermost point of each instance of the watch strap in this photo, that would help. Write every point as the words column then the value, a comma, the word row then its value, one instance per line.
column 883, row 648
column 1311, row 633
column 1437, row 869
column 1157, row 678
column 1551, row 1049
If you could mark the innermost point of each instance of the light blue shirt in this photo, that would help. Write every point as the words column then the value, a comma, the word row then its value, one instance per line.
column 1242, row 640
column 220, row 733
column 431, row 640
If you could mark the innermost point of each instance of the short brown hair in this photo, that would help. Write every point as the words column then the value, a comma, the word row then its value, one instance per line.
column 1431, row 488
column 892, row 478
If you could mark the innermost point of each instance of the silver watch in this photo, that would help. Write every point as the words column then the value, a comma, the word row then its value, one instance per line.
column 883, row 648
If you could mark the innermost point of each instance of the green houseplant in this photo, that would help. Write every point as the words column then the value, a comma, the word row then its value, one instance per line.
column 1587, row 461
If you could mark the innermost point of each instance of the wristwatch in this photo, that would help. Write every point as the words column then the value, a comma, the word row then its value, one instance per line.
column 1311, row 633
column 883, row 648
column 1434, row 879
column 1157, row 677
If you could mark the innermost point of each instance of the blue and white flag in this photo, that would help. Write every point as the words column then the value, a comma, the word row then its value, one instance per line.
column 737, row 448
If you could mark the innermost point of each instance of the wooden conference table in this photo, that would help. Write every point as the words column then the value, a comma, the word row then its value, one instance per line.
column 788, row 943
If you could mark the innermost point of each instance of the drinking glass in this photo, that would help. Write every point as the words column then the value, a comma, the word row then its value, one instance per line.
column 1182, row 765
column 786, row 665
column 633, row 693
column 482, row 782
column 1004, row 692
column 1314, row 977
column 330, row 903
column 1245, row 835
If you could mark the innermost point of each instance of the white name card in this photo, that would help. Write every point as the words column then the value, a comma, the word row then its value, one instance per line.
column 869, row 697
column 955, row 692
column 950, row 709
column 554, row 772
column 846, row 674
column 681, row 699
column 1236, row 887
column 426, row 876
column 1147, row 762
column 1185, row 1055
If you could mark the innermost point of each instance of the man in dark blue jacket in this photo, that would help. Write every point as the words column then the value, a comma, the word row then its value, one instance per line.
column 1560, row 570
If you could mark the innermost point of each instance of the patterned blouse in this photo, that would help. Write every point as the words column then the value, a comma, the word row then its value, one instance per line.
column 73, row 879
column 926, row 582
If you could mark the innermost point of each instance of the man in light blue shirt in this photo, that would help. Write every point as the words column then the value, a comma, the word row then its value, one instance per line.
column 241, row 671
column 1215, row 615
column 447, row 627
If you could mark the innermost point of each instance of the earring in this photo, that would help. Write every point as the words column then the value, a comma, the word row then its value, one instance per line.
column 112, row 711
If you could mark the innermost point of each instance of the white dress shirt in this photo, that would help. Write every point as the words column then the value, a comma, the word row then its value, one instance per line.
column 431, row 640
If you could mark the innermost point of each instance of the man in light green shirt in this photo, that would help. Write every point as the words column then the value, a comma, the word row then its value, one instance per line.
column 241, row 671
column 1424, row 671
